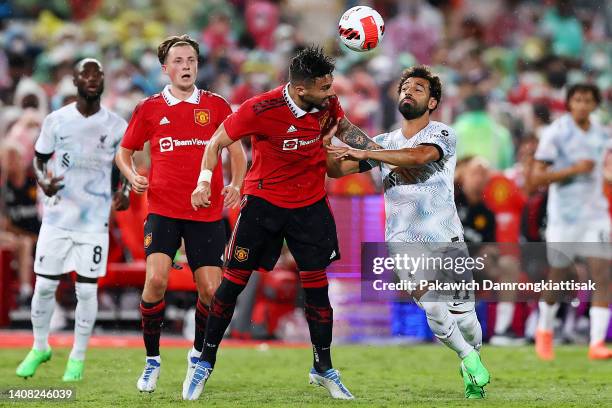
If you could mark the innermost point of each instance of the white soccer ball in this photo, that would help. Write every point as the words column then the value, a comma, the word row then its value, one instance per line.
column 361, row 28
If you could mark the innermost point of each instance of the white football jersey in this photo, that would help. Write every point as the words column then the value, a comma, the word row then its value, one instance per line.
column 580, row 199
column 422, row 209
column 84, row 149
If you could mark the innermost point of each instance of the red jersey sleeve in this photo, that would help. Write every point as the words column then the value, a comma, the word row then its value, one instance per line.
column 335, row 110
column 136, row 134
column 241, row 123
column 224, row 111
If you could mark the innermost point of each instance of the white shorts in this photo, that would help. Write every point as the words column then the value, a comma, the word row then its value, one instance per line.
column 429, row 253
column 564, row 242
column 60, row 251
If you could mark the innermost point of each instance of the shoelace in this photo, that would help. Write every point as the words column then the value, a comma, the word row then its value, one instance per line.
column 148, row 371
column 335, row 377
column 199, row 374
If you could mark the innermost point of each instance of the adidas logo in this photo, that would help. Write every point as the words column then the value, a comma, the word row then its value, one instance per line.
column 291, row 129
column 164, row 121
column 333, row 254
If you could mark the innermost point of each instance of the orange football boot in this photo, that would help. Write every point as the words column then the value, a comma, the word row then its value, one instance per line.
column 544, row 345
column 599, row 351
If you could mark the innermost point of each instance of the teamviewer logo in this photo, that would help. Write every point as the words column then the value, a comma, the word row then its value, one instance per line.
column 165, row 144
column 290, row 144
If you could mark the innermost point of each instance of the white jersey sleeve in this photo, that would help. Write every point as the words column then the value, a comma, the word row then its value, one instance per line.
column 45, row 143
column 443, row 137
column 547, row 150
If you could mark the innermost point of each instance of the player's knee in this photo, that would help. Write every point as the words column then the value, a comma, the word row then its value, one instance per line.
column 470, row 328
column 46, row 287
column 157, row 283
column 86, row 291
column 206, row 291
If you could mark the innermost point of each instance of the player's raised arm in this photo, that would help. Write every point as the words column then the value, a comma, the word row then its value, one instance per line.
column 338, row 168
column 353, row 136
column 200, row 198
column 125, row 163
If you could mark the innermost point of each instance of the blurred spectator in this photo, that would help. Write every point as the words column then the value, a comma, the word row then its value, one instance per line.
column 563, row 28
column 479, row 224
column 24, row 133
column 19, row 227
column 478, row 134
column 416, row 30
column 472, row 176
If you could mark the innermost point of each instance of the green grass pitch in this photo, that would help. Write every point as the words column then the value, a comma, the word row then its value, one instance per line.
column 414, row 376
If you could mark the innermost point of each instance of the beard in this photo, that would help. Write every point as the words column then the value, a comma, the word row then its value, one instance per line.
column 89, row 97
column 412, row 111
column 314, row 103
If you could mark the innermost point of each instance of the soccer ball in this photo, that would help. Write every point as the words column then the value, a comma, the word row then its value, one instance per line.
column 361, row 28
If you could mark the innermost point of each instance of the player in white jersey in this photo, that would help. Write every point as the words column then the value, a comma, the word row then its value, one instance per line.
column 570, row 157
column 73, row 163
column 418, row 165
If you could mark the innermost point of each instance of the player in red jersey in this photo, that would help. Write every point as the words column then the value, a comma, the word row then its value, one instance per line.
column 284, row 199
column 178, row 123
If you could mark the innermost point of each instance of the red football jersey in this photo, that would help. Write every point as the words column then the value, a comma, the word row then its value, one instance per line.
column 289, row 160
column 178, row 132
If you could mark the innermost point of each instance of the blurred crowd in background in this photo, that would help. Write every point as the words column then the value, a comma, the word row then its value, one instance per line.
column 504, row 64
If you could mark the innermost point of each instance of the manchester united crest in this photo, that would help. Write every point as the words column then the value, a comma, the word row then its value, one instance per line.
column 148, row 239
column 201, row 116
column 241, row 254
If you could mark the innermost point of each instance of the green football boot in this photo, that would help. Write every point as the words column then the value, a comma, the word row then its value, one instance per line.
column 474, row 371
column 471, row 391
column 74, row 370
column 30, row 363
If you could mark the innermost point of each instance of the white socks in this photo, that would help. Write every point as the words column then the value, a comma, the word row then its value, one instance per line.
column 84, row 317
column 443, row 325
column 546, row 321
column 503, row 316
column 194, row 353
column 43, row 303
column 600, row 318
column 470, row 328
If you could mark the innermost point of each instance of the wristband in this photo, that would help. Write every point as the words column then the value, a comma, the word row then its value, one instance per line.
column 205, row 175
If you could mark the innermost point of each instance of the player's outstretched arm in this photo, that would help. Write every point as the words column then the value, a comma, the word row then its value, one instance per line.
column 542, row 175
column 408, row 157
column 354, row 136
column 123, row 160
column 337, row 168
column 238, row 163
column 50, row 185
column 200, row 197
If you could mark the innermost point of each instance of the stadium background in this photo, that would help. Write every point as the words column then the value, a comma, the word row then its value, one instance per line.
column 504, row 65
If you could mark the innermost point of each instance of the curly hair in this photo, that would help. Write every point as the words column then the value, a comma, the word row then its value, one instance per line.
column 310, row 63
column 582, row 88
column 424, row 72
column 175, row 41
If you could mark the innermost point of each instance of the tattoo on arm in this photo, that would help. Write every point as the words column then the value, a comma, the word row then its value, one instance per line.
column 354, row 137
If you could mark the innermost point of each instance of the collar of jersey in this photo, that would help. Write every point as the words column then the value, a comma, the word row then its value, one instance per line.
column 296, row 110
column 171, row 100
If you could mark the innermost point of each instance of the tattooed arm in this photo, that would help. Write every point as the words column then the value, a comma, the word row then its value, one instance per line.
column 354, row 137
